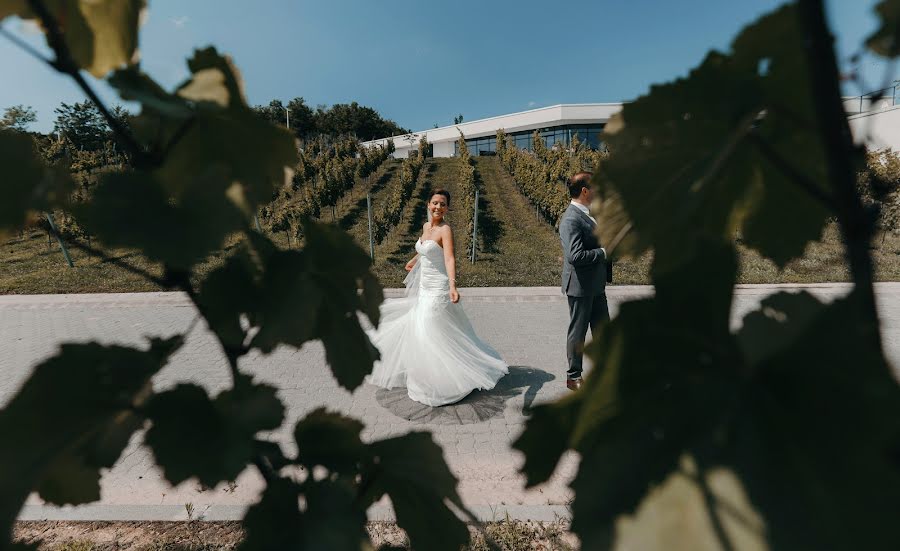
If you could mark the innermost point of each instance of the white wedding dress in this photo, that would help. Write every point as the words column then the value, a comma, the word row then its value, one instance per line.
column 427, row 343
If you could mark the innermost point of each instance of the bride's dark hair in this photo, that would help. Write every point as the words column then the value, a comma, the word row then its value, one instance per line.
column 442, row 191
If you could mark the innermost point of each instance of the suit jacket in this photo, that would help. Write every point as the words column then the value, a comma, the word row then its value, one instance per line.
column 584, row 262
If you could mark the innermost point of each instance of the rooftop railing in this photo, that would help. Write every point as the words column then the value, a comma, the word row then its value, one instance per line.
column 873, row 101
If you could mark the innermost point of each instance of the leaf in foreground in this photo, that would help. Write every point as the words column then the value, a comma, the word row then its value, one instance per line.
column 704, row 156
column 886, row 40
column 213, row 440
column 73, row 415
column 816, row 438
column 331, row 440
column 411, row 470
column 177, row 233
column 101, row 35
column 28, row 184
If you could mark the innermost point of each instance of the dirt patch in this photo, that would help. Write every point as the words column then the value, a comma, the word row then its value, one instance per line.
column 510, row 535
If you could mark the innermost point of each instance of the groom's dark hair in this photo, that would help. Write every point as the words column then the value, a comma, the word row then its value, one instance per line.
column 579, row 181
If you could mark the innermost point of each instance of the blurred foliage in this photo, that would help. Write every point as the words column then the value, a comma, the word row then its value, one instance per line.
column 199, row 163
column 797, row 411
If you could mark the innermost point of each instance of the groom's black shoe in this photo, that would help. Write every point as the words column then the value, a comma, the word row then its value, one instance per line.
column 573, row 384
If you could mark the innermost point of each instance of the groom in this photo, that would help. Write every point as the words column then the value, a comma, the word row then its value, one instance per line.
column 583, row 274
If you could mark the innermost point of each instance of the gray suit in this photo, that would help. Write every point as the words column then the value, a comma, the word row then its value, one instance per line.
column 583, row 283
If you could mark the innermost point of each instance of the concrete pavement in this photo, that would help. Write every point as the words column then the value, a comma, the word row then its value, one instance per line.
column 526, row 325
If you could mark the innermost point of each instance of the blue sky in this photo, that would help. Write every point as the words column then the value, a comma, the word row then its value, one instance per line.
column 422, row 63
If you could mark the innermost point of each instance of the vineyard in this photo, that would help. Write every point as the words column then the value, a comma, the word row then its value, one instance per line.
column 541, row 175
column 522, row 195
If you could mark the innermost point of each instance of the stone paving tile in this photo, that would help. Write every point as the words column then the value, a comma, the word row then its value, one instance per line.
column 527, row 326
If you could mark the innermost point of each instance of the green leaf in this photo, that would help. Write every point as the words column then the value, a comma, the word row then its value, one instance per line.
column 275, row 523
column 886, row 40
column 251, row 407
column 70, row 480
column 351, row 356
column 226, row 136
column 271, row 452
column 373, row 296
column 29, row 185
column 178, row 233
column 685, row 164
column 288, row 311
column 330, row 440
column 74, row 477
column 790, row 128
column 228, row 292
column 339, row 277
column 225, row 90
column 776, row 325
column 334, row 518
column 546, row 436
column 641, row 408
column 73, row 416
column 314, row 294
column 135, row 85
column 101, row 35
column 821, row 418
column 330, row 519
column 412, row 471
column 212, row 440
column 680, row 510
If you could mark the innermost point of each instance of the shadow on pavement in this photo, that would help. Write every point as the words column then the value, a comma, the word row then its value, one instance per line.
column 480, row 406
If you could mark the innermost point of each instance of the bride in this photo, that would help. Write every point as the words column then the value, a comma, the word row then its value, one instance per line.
column 426, row 341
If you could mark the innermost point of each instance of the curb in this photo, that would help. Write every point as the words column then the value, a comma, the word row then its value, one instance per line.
column 482, row 294
column 219, row 512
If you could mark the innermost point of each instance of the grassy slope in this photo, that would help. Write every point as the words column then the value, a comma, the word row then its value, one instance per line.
column 516, row 248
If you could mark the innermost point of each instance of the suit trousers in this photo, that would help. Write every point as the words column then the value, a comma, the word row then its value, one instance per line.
column 583, row 312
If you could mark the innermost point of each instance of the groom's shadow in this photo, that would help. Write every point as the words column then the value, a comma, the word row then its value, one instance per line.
column 477, row 407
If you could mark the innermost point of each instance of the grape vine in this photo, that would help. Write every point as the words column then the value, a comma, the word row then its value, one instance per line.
column 541, row 174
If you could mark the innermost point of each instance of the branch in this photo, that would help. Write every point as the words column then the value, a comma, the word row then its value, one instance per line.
column 113, row 260
column 65, row 64
column 181, row 279
column 793, row 175
column 710, row 500
column 857, row 224
column 179, row 134
column 28, row 48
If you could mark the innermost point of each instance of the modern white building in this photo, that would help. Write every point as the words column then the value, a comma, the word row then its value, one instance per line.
column 875, row 122
column 556, row 124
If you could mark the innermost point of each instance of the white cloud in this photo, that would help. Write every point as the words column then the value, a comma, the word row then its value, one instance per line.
column 180, row 22
column 532, row 103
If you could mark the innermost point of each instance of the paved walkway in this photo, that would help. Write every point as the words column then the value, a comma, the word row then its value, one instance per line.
column 526, row 325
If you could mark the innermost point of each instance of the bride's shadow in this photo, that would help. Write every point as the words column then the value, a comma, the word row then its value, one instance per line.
column 477, row 407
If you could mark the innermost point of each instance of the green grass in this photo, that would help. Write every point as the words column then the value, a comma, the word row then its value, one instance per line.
column 517, row 248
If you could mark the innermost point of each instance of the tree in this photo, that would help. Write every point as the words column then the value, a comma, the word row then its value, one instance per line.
column 425, row 149
column 879, row 186
column 458, row 119
column 351, row 118
column 18, row 117
column 302, row 122
column 82, row 125
column 275, row 112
